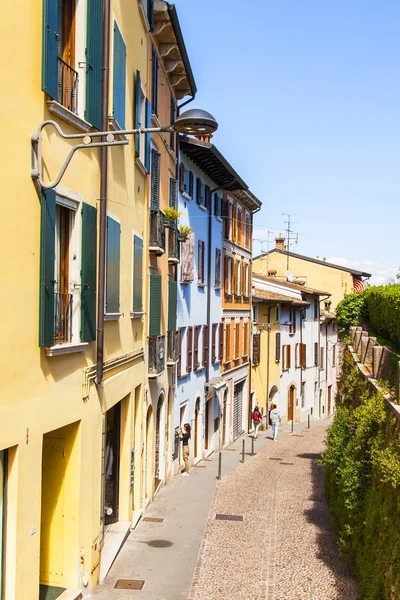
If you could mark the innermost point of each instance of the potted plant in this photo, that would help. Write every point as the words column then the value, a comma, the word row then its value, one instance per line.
column 184, row 231
column 170, row 215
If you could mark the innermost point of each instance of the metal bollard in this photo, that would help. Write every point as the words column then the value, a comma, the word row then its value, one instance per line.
column 309, row 425
column 219, row 465
column 292, row 425
column 252, row 446
column 243, row 443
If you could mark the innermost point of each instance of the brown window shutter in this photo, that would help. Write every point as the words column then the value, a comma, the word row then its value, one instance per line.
column 297, row 355
column 321, row 362
column 234, row 223
column 256, row 349
column 196, row 347
column 234, row 280
column 207, row 197
column 179, row 366
column 226, row 273
column 214, row 343
column 316, row 354
column 205, row 345
column 189, row 364
column 303, row 350
column 334, row 356
column 277, row 347
column 217, row 267
column 227, row 342
column 288, row 356
column 181, row 177
column 221, row 341
column 246, row 339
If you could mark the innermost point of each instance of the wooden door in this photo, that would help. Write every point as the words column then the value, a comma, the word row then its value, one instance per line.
column 291, row 402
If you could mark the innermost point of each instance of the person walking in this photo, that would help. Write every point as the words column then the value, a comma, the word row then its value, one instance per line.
column 184, row 435
column 275, row 419
column 256, row 421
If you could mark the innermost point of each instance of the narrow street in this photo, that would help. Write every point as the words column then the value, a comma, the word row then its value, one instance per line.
column 284, row 548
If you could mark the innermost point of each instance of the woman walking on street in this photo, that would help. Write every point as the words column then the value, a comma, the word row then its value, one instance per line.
column 256, row 421
column 275, row 419
column 184, row 435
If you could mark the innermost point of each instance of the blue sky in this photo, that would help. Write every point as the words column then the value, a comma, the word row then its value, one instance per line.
column 307, row 96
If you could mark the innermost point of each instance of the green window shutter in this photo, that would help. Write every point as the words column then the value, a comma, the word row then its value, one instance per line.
column 137, row 112
column 119, row 78
column 155, row 305
column 50, row 48
column 137, row 273
column 150, row 13
column 172, row 297
column 173, row 193
column 47, row 258
column 147, row 137
column 155, row 180
column 88, row 279
column 94, row 60
column 112, row 266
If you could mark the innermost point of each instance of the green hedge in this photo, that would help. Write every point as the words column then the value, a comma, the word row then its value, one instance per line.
column 382, row 310
column 362, row 465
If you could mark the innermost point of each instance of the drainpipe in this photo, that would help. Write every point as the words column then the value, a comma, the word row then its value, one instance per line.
column 103, row 198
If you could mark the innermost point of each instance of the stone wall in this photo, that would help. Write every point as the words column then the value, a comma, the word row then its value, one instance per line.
column 381, row 362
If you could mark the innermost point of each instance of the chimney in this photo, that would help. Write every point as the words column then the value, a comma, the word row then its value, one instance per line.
column 204, row 138
column 280, row 243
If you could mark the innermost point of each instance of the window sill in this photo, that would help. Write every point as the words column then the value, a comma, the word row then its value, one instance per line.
column 186, row 281
column 228, row 297
column 217, row 287
column 172, row 260
column 137, row 315
column 141, row 166
column 219, row 219
column 171, row 362
column 202, row 207
column 112, row 316
column 152, row 375
column 227, row 364
column 292, row 333
column 157, row 250
column 68, row 116
column 200, row 368
column 66, row 349
column 186, row 196
column 201, row 285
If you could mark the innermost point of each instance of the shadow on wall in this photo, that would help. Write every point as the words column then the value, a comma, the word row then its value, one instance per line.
column 328, row 551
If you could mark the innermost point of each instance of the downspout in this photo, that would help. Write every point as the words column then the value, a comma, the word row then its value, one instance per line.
column 103, row 198
column 301, row 355
column 209, row 290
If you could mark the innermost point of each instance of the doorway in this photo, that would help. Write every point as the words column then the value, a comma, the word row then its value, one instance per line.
column 291, row 402
column 206, row 424
column 196, row 448
column 113, row 442
column 238, row 409
column 159, row 467
column 148, row 482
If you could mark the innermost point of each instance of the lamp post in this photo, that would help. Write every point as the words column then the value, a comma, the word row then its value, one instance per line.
column 191, row 122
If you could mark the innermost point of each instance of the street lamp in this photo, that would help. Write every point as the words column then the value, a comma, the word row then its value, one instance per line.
column 190, row 122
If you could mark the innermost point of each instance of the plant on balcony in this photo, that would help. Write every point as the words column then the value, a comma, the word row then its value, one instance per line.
column 170, row 215
column 184, row 231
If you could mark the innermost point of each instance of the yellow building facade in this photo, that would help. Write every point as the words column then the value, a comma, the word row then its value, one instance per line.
column 312, row 272
column 77, row 453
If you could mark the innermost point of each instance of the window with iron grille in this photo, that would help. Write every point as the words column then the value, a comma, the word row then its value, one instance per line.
column 292, row 319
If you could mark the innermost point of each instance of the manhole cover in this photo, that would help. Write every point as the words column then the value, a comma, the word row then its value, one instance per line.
column 229, row 517
column 153, row 519
column 129, row 584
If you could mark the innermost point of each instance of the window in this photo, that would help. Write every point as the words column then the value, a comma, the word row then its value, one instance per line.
column 227, row 342
column 155, row 306
column 172, row 303
column 214, row 343
column 286, row 357
column 179, row 365
column 188, row 183
column 137, row 303
column 239, row 225
column 221, row 342
column 154, row 81
column 155, row 180
column 256, row 349
column 303, row 357
column 316, row 354
column 196, row 347
column 218, row 268
column 247, row 231
column 228, row 275
column 334, row 355
column 200, row 262
column 227, row 216
column 277, row 347
column 234, row 224
column 187, row 259
column 237, row 340
column 292, row 319
column 217, row 205
column 172, row 112
column 119, row 77
column 205, row 345
column 297, row 355
column 189, row 350
column 246, row 339
column 315, row 305
column 112, row 266
column 303, row 394
column 149, row 7
column 277, row 313
column 237, row 272
column 203, row 194
column 173, row 193
column 321, row 362
column 140, row 119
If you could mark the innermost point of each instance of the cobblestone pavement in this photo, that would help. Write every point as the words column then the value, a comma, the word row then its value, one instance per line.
column 285, row 548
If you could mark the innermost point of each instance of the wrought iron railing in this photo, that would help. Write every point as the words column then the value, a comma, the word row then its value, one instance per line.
column 67, row 86
column 172, row 346
column 156, row 354
column 173, row 243
column 157, row 230
column 62, row 318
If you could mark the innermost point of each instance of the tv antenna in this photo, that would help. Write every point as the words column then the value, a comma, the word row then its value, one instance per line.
column 292, row 237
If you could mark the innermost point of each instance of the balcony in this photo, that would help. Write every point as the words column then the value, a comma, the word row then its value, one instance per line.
column 67, row 86
column 156, row 355
column 172, row 357
column 157, row 233
column 62, row 318
column 173, row 245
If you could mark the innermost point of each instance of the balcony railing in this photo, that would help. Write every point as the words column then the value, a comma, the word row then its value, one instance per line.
column 62, row 318
column 156, row 354
column 157, row 232
column 172, row 346
column 173, row 245
column 67, row 86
